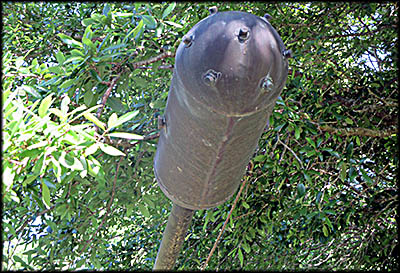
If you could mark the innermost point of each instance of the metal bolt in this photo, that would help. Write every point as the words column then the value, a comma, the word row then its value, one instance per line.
column 187, row 40
column 213, row 10
column 244, row 34
column 267, row 16
column 266, row 84
column 287, row 53
column 211, row 77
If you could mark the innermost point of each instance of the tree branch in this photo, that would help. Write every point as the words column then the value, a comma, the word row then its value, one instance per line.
column 134, row 66
column 358, row 131
column 223, row 227
column 107, row 208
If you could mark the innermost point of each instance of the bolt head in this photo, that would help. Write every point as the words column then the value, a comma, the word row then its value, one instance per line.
column 187, row 40
column 213, row 10
column 267, row 16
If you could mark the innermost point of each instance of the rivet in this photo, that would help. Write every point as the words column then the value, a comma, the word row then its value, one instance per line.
column 211, row 77
column 266, row 84
column 213, row 10
column 287, row 53
column 187, row 40
column 244, row 34
column 267, row 16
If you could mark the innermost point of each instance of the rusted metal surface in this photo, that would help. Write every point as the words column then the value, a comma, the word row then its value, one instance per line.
column 173, row 237
column 229, row 71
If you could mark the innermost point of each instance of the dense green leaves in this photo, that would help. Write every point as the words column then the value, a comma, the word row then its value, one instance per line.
column 78, row 185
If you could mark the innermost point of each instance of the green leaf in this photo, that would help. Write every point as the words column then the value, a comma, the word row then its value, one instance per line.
column 31, row 91
column 301, row 189
column 116, row 104
column 126, row 135
column 246, row 247
column 144, row 210
column 70, row 162
column 56, row 69
column 259, row 158
column 126, row 117
column 366, row 177
column 95, row 75
column 325, row 231
column 307, row 177
column 64, row 105
column 37, row 145
column 73, row 59
column 88, row 97
column 93, row 119
column 240, row 255
column 23, row 263
column 67, row 83
column 44, row 106
column 173, row 24
column 348, row 121
column 68, row 40
column 91, row 149
column 29, row 179
column 134, row 32
column 149, row 21
column 60, row 57
column 168, row 10
column 58, row 113
column 8, row 177
column 77, row 53
column 114, row 47
column 297, row 132
column 343, row 172
column 106, row 9
column 46, row 195
column 89, row 43
column 112, row 120
column 110, row 150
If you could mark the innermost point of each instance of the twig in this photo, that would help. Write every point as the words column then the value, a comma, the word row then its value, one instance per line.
column 107, row 94
column 134, row 66
column 290, row 150
column 107, row 208
column 27, row 221
column 223, row 227
column 358, row 131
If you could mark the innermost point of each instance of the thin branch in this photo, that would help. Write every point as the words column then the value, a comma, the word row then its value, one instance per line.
column 134, row 66
column 27, row 221
column 107, row 94
column 153, row 60
column 223, row 227
column 107, row 208
column 358, row 131
column 290, row 150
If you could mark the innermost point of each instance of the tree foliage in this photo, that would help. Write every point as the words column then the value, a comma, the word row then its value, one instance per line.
column 83, row 85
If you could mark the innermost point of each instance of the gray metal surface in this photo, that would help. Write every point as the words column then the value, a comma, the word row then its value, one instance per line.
column 173, row 237
column 229, row 71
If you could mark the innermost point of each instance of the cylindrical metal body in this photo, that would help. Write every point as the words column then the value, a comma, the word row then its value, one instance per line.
column 178, row 222
column 229, row 71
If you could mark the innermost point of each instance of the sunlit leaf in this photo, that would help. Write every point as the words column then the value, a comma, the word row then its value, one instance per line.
column 126, row 117
column 168, row 10
column 46, row 195
column 126, row 135
column 68, row 40
column 110, row 150
column 112, row 120
column 143, row 210
column 44, row 106
column 93, row 119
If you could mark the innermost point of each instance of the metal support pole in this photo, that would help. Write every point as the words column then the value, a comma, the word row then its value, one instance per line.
column 173, row 237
